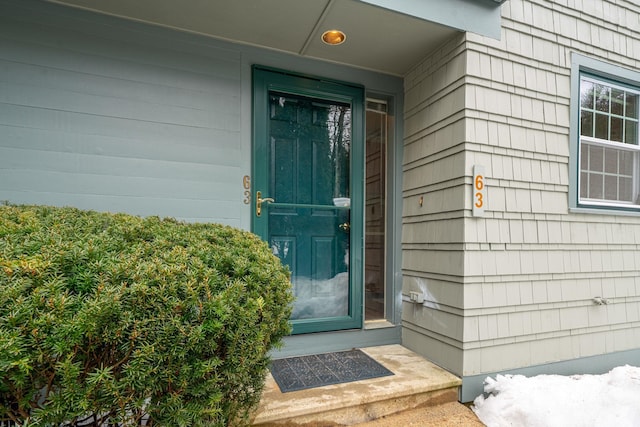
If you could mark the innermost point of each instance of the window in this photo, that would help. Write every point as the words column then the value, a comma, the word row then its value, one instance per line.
column 608, row 146
column 377, row 142
column 604, row 149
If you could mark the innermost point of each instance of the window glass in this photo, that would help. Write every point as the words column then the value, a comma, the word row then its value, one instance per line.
column 602, row 126
column 586, row 123
column 596, row 155
column 616, row 129
column 631, row 132
column 602, row 98
column 631, row 106
column 586, row 95
column 617, row 102
column 626, row 188
column 378, row 139
column 611, row 161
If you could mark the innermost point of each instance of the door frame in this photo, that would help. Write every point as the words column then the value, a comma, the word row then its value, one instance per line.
column 266, row 79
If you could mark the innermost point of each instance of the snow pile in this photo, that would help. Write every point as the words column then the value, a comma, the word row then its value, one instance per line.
column 609, row 400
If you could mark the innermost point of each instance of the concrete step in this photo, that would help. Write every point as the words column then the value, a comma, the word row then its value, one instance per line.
column 416, row 384
column 452, row 414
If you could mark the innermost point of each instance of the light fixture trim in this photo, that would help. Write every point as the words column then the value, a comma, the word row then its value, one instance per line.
column 333, row 37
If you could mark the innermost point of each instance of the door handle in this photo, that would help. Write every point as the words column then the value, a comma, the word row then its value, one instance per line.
column 260, row 201
column 345, row 226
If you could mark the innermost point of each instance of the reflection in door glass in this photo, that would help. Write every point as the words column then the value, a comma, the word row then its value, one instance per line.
column 309, row 222
column 375, row 219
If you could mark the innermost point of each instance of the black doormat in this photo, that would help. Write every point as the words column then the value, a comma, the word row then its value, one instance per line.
column 299, row 373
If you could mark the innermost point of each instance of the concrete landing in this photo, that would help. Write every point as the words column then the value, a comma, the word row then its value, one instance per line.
column 416, row 383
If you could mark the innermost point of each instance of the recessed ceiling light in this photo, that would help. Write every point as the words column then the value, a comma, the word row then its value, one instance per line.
column 334, row 37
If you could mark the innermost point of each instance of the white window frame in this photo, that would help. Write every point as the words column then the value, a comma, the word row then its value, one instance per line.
column 615, row 77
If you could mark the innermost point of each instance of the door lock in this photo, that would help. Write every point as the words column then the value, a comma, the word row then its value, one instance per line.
column 260, row 201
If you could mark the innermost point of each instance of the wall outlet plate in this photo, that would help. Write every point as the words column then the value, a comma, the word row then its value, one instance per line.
column 416, row 297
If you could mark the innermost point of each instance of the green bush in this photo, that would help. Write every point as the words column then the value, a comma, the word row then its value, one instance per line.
column 116, row 319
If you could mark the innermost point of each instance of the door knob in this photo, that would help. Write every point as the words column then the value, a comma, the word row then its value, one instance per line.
column 345, row 226
column 260, row 201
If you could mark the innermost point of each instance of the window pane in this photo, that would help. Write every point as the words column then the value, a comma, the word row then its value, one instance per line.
column 611, row 160
column 626, row 163
column 617, row 102
column 586, row 94
column 586, row 123
column 602, row 126
column 602, row 98
column 596, row 157
column 595, row 186
column 584, row 157
column 377, row 122
column 631, row 132
column 616, row 129
column 611, row 187
column 584, row 185
column 626, row 189
column 632, row 106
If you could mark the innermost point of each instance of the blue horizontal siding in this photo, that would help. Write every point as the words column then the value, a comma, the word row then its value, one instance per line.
column 99, row 118
column 187, row 210
column 159, row 147
column 29, row 96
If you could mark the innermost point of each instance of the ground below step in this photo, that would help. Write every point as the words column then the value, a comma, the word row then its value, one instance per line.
column 416, row 385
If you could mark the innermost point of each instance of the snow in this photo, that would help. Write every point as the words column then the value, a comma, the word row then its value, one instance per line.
column 608, row 400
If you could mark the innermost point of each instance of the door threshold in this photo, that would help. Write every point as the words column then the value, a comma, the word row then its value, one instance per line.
column 325, row 342
column 378, row 324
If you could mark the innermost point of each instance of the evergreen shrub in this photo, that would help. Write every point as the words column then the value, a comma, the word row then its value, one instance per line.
column 112, row 319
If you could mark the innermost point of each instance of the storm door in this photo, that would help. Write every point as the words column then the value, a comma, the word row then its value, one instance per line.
column 307, row 203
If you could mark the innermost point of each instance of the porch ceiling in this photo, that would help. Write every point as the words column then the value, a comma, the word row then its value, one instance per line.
column 377, row 38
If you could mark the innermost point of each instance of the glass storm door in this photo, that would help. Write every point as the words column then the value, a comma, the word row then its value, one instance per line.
column 307, row 142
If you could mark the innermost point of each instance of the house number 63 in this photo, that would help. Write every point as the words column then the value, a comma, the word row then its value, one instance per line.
column 479, row 191
column 246, row 184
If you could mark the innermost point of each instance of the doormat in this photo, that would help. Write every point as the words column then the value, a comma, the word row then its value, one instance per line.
column 299, row 373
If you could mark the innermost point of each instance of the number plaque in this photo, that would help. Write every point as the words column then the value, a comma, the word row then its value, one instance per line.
column 479, row 191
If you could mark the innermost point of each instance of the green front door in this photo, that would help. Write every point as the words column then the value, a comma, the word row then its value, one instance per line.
column 307, row 200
